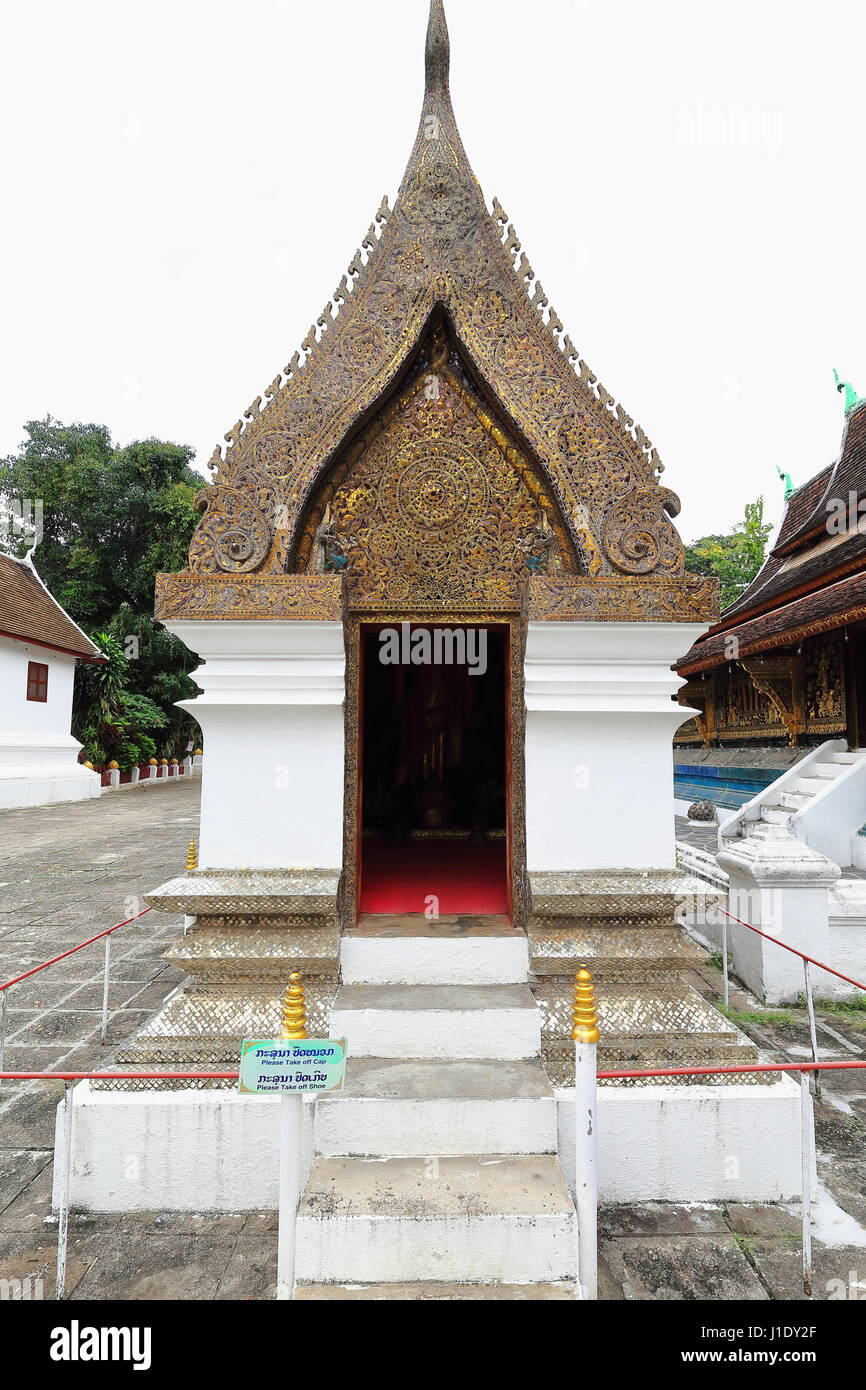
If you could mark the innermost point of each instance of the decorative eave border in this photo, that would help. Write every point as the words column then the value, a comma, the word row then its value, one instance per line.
column 248, row 597
column 190, row 596
column 684, row 598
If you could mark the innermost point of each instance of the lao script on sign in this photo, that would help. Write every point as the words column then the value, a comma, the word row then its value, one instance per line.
column 273, row 1065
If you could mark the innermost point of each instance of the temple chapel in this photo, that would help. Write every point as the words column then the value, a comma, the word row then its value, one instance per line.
column 436, row 844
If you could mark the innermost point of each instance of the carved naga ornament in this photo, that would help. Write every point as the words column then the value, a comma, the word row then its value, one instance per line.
column 439, row 262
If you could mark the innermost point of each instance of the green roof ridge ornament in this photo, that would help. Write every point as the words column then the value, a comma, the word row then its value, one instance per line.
column 786, row 477
column 851, row 397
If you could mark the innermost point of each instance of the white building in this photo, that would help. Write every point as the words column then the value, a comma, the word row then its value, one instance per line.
column 39, row 646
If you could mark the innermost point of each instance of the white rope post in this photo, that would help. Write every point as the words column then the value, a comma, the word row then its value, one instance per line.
column 291, row 1117
column 105, row 979
column 806, row 1179
column 813, row 1033
column 726, row 988
column 63, row 1206
column 585, row 1034
column 291, row 1129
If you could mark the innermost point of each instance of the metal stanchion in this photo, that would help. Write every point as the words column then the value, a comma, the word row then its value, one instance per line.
column 806, row 1179
column 810, row 1005
column 105, row 980
column 65, row 1176
column 726, row 988
column 291, row 1125
column 585, row 1034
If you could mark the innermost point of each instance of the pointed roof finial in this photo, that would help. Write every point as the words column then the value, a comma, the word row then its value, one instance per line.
column 851, row 397
column 438, row 51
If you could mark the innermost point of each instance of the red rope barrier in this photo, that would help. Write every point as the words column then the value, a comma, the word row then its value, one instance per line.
column 89, row 942
column 794, row 952
column 602, row 1075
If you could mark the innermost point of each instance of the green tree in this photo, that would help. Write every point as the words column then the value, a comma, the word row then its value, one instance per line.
column 734, row 558
column 111, row 518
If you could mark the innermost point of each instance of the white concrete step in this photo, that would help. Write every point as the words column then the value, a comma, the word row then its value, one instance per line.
column 472, row 1220
column 810, row 786
column 456, row 950
column 793, row 801
column 428, row 1021
column 445, row 1293
column 827, row 771
column 848, row 759
column 775, row 815
column 397, row 1109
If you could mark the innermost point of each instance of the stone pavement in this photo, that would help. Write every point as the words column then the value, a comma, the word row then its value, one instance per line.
column 700, row 834
column 68, row 872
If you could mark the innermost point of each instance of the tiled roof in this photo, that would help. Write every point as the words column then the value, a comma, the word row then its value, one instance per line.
column 825, row 608
column 29, row 613
column 806, row 562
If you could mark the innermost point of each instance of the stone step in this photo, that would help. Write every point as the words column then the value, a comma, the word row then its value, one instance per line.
column 455, row 950
column 794, row 801
column 427, row 1292
column 398, row 1109
column 848, row 759
column 638, row 1014
column 427, row 1021
column 473, row 1220
column 624, row 895
column 608, row 951
column 204, row 1020
column 677, row 1051
column 261, row 953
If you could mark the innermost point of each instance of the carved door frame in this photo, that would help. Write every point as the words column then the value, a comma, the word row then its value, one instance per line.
column 515, row 631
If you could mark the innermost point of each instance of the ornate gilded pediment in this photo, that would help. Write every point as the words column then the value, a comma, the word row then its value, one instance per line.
column 439, row 254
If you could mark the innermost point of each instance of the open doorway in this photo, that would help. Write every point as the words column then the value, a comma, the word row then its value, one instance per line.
column 433, row 795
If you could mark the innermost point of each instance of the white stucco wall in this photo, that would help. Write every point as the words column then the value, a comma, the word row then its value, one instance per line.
column 18, row 715
column 38, row 755
column 271, row 710
column 599, row 729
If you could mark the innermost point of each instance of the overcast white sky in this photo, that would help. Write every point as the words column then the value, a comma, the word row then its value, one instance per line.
column 185, row 181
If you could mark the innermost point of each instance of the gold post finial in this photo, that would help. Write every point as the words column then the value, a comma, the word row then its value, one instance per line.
column 294, row 1009
column 191, row 857
column 584, row 1015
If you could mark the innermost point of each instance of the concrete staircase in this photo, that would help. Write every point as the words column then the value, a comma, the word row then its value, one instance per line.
column 821, row 801
column 435, row 1173
column 782, row 806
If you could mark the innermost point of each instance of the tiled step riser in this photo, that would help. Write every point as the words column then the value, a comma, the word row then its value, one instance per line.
column 391, row 1128
column 428, row 1292
column 426, row 961
column 510, row 1034
column 338, row 1248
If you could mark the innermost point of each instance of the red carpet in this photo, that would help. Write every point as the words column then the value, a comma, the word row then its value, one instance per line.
column 464, row 877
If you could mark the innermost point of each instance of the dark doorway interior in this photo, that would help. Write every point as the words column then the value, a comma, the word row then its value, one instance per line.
column 434, row 771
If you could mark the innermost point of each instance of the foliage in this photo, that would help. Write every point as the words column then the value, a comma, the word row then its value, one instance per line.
column 736, row 558
column 112, row 721
column 111, row 519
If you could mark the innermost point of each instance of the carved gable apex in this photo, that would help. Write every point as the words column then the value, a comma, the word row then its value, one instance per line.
column 439, row 246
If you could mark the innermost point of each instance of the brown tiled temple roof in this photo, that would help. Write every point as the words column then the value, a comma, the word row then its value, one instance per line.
column 28, row 613
column 830, row 607
column 811, row 575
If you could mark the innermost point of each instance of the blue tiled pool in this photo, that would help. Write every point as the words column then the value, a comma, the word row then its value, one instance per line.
column 730, row 787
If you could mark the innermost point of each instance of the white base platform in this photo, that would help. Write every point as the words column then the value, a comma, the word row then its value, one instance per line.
column 46, row 785
column 217, row 1151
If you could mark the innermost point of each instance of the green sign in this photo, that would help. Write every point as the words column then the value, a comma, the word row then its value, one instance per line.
column 273, row 1065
